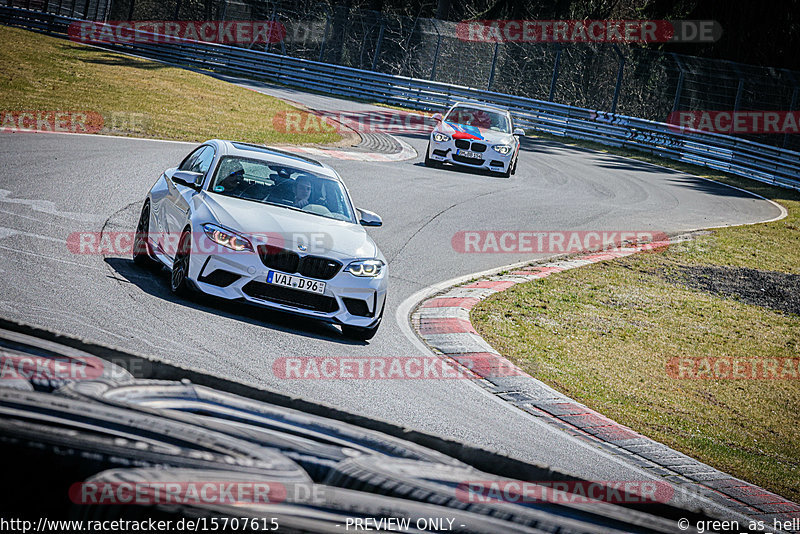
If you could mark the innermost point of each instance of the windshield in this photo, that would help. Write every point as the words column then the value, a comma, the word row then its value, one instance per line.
column 479, row 118
column 269, row 183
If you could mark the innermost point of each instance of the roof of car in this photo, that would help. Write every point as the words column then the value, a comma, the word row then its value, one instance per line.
column 479, row 105
column 273, row 155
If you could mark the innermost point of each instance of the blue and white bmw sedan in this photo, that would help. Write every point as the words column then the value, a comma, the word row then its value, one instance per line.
column 477, row 136
column 247, row 222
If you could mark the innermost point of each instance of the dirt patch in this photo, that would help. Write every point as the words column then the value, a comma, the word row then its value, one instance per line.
column 768, row 289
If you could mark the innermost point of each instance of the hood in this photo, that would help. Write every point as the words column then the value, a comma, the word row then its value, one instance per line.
column 275, row 225
column 473, row 133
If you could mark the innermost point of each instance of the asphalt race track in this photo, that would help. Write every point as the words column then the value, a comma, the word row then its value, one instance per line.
column 53, row 185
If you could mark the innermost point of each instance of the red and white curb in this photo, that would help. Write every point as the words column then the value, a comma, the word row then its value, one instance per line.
column 442, row 323
column 406, row 152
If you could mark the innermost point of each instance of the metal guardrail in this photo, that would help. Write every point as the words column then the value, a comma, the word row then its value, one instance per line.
column 737, row 156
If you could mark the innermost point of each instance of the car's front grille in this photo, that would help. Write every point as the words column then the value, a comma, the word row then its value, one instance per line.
column 462, row 143
column 291, row 297
column 279, row 258
column 318, row 267
column 288, row 261
column 468, row 161
column 478, row 147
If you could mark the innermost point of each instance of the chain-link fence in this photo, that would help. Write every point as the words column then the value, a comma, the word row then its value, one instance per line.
column 629, row 80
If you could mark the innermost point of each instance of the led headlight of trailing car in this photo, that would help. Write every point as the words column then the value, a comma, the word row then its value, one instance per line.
column 503, row 149
column 226, row 238
column 440, row 137
column 370, row 268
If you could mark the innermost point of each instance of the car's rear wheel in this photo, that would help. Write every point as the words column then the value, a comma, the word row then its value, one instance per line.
column 179, row 281
column 141, row 250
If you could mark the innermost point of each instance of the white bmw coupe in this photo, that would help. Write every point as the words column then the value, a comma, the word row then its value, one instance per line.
column 477, row 136
column 241, row 221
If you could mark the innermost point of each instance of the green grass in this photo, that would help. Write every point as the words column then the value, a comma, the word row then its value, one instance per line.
column 603, row 335
column 136, row 97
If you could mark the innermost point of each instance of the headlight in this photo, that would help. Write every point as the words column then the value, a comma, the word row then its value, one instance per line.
column 371, row 268
column 503, row 149
column 226, row 238
column 440, row 137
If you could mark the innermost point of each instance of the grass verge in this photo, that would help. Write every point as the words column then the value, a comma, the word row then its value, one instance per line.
column 604, row 334
column 136, row 97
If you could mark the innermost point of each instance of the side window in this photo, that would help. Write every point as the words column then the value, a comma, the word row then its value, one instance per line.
column 190, row 160
column 199, row 160
column 204, row 159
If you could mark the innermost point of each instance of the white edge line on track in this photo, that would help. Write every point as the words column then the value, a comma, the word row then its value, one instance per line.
column 403, row 318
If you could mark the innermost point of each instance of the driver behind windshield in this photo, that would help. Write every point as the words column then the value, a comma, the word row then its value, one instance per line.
column 302, row 191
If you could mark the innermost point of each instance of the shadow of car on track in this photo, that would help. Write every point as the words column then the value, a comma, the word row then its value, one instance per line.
column 155, row 282
column 462, row 170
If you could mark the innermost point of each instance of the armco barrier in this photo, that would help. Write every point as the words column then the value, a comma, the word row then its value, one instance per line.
column 737, row 156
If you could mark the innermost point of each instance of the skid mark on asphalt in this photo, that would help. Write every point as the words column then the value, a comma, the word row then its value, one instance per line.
column 49, row 207
column 418, row 230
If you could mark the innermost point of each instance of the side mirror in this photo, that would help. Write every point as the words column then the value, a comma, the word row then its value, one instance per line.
column 437, row 117
column 519, row 131
column 367, row 218
column 188, row 178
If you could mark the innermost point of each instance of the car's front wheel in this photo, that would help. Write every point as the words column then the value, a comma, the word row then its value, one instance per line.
column 179, row 281
column 428, row 161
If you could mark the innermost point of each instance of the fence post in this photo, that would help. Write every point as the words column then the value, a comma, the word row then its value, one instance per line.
column 436, row 53
column 679, row 88
column 494, row 64
column 324, row 36
column 793, row 103
column 378, row 46
column 619, row 78
column 554, row 79
column 130, row 10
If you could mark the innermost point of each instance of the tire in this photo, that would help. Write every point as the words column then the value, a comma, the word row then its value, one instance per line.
column 516, row 162
column 445, row 485
column 141, row 248
column 56, row 364
column 315, row 508
column 363, row 334
column 250, row 415
column 428, row 161
column 179, row 282
column 60, row 441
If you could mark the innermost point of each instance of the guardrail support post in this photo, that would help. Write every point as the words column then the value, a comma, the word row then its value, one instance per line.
column 554, row 79
column 494, row 64
column 619, row 79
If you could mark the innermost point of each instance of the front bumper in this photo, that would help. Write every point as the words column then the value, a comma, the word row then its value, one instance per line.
column 348, row 299
column 445, row 152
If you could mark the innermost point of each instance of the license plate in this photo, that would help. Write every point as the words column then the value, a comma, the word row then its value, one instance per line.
column 469, row 154
column 295, row 282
